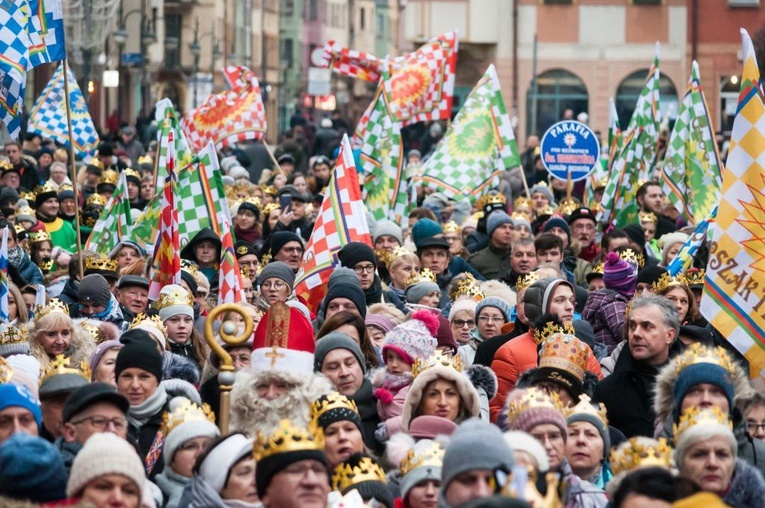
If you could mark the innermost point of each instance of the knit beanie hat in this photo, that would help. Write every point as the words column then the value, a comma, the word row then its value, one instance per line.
column 277, row 270
column 179, row 302
column 379, row 321
column 467, row 304
column 702, row 372
column 414, row 292
column 592, row 418
column 556, row 221
column 140, row 352
column 668, row 240
column 353, row 292
column 190, row 281
column 104, row 454
column 413, row 339
column 336, row 340
column 444, row 335
column 544, row 189
column 620, row 275
column 497, row 303
column 422, row 458
column 342, row 276
column 341, row 408
column 388, row 228
column 279, row 239
column 524, row 416
column 267, row 467
column 520, row 441
column 31, row 469
column 636, row 234
column 354, row 253
column 12, row 395
column 190, row 428
column 94, row 288
column 13, row 340
column 356, row 473
column 476, row 444
column 537, row 297
column 650, row 274
column 217, row 464
column 425, row 228
column 496, row 219
column 26, row 371
column 101, row 350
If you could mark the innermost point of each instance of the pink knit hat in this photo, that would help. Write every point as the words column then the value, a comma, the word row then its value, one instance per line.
column 620, row 275
column 524, row 416
column 414, row 338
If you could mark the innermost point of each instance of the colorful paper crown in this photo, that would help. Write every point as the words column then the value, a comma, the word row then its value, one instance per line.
column 95, row 200
column 54, row 305
column 585, row 407
column 521, row 201
column 666, row 281
column 45, row 188
column 270, row 207
column 527, row 280
column 437, row 359
column 6, row 371
column 452, row 227
column 109, row 177
column 533, row 398
column 367, row 470
column 145, row 159
column 101, row 263
column 550, row 329
column 39, row 236
column 333, row 400
column 185, row 411
column 467, row 286
column 13, row 335
column 695, row 277
column 423, row 275
column 696, row 415
column 648, row 217
column 287, row 438
column 698, row 353
column 642, row 452
column 433, row 456
column 145, row 319
column 61, row 365
column 175, row 297
column 564, row 352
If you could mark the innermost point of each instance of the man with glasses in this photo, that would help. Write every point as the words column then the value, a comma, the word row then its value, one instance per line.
column 93, row 408
column 285, row 246
column 360, row 258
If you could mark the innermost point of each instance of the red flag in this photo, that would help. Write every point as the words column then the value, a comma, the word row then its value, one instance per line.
column 342, row 219
column 230, row 289
column 350, row 62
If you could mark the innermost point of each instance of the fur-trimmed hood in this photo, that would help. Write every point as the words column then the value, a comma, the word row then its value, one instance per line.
column 175, row 366
column 747, row 488
column 249, row 411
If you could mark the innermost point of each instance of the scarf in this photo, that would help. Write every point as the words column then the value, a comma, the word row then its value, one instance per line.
column 248, row 235
column 391, row 385
column 140, row 414
column 16, row 256
column 373, row 294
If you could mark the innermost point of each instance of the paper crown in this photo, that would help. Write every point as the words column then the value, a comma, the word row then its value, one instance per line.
column 13, row 335
column 6, row 371
column 666, row 281
column 695, row 277
column 253, row 200
column 698, row 353
column 586, row 407
column 533, row 398
column 547, row 210
column 39, row 236
column 630, row 256
column 270, row 207
column 648, row 217
column 390, row 256
column 19, row 228
column 495, row 198
column 175, row 297
column 61, row 365
column 145, row 319
column 270, row 189
column 185, row 411
column 424, row 275
column 145, row 159
column 550, row 329
column 95, row 200
column 696, row 415
column 521, row 201
column 451, row 227
column 95, row 162
column 599, row 268
column 641, row 452
column 5, row 165
column 564, row 352
column 65, row 187
column 244, row 271
column 467, row 286
column 287, row 438
column 28, row 196
column 527, row 280
column 437, row 359
column 433, row 455
column 333, row 400
column 93, row 331
column 45, row 188
column 101, row 263
column 367, row 470
column 54, row 305
column 130, row 172
column 517, row 216
column 190, row 267
column 109, row 177
column 567, row 206
column 46, row 265
column 26, row 210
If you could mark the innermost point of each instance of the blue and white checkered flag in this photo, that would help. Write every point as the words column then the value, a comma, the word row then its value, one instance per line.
column 14, row 60
column 4, row 313
column 48, row 116
column 46, row 32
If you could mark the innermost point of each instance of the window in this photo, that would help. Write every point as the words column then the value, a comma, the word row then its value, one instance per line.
column 313, row 9
column 380, row 26
column 557, row 91
column 647, row 2
column 744, row 3
column 729, row 90
column 173, row 23
column 362, row 16
column 558, row 2
column 629, row 90
column 288, row 8
column 287, row 52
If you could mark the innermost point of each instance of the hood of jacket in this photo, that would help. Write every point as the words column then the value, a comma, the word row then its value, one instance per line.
column 747, row 487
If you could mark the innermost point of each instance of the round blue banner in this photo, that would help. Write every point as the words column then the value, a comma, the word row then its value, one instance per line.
column 570, row 148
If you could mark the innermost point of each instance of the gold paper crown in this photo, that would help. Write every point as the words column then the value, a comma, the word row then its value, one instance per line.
column 47, row 265
column 175, row 297
column 109, row 177
column 698, row 353
column 521, row 201
column 95, row 199
column 287, row 438
column 270, row 189
column 452, row 227
column 19, row 228
column 496, row 198
column 145, row 159
column 333, row 400
column 533, row 398
column 253, row 200
column 61, row 365
column 433, row 456
column 695, row 277
column 527, row 280
column 648, row 217
column 547, row 210
column 244, row 271
column 243, row 186
column 567, row 206
column 550, row 329
column 467, row 286
column 13, row 335
column 564, row 352
column 185, row 411
column 95, row 162
column 145, row 319
column 65, row 187
column 54, row 305
column 6, row 371
column 29, row 196
column 396, row 253
column 516, row 216
column 270, row 207
column 39, row 236
column 666, row 280
column 190, row 267
column 45, row 188
column 367, row 470
column 5, row 165
column 630, row 256
column 101, row 263
column 638, row 454
column 696, row 415
column 586, row 407
column 599, row 268
column 423, row 275
column 132, row 172
column 437, row 359
column 93, row 331
column 542, row 184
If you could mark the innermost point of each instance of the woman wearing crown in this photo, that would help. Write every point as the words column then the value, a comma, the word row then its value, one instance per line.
column 40, row 248
column 54, row 333
column 247, row 219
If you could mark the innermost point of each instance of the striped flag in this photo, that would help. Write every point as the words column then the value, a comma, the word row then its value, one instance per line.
column 114, row 223
column 4, row 312
column 230, row 289
column 733, row 300
column 341, row 220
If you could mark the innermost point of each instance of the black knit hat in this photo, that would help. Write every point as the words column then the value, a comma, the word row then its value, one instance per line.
column 346, row 411
column 343, row 479
column 354, row 253
column 190, row 281
column 94, row 288
column 650, row 274
column 352, row 292
column 246, row 205
column 635, row 233
column 270, row 466
column 140, row 352
column 242, row 248
column 279, row 239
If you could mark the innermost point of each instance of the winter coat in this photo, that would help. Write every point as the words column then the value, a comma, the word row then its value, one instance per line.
column 515, row 357
column 467, row 352
column 606, row 311
column 459, row 265
column 29, row 271
column 579, row 493
column 490, row 261
column 578, row 267
column 304, row 225
column 747, row 487
column 390, row 413
column 484, row 355
column 367, row 406
column 171, row 484
column 199, row 494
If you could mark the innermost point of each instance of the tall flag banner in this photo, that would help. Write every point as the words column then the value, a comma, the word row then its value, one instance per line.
column 352, row 63
column 48, row 116
column 479, row 145
column 146, row 226
column 169, row 128
column 734, row 300
column 235, row 115
column 230, row 288
column 687, row 253
column 635, row 160
column 691, row 173
column 602, row 172
column 166, row 263
column 14, row 61
column 421, row 84
column 341, row 220
column 46, row 32
column 114, row 222
column 4, row 312
column 201, row 197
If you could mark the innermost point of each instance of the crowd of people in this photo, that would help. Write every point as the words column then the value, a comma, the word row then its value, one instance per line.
column 508, row 352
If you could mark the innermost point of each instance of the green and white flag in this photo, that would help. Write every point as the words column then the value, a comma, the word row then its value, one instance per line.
column 476, row 149
column 114, row 223
column 634, row 162
column 692, row 168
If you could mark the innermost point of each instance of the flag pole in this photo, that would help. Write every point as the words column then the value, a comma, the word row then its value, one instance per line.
column 72, row 165
column 525, row 183
column 278, row 167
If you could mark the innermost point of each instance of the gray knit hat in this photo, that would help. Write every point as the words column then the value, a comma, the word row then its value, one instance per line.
column 592, row 418
column 278, row 270
column 336, row 340
column 475, row 445
column 94, row 288
column 544, row 190
column 497, row 303
column 496, row 219
column 429, row 454
column 389, row 228
column 414, row 292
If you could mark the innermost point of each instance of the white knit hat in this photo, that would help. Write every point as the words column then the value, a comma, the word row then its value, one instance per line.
column 521, row 441
column 104, row 454
column 219, row 461
column 176, row 295
column 190, row 428
column 26, row 371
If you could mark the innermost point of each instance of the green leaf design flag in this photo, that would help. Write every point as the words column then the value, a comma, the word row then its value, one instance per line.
column 146, row 226
column 479, row 145
column 114, row 223
column 691, row 174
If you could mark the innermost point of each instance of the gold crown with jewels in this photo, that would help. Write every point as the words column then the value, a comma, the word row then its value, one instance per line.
column 95, row 200
column 666, row 281
column 12, row 334
column 185, row 411
column 101, row 263
column 39, row 236
column 698, row 353
column 145, row 319
column 367, row 470
column 5, row 165
column 61, row 364
column 642, row 452
column 521, row 201
column 433, row 456
column 424, row 275
column 270, row 189
column 695, row 277
column 175, row 297
column 54, row 305
column 287, row 438
column 437, row 359
column 585, row 407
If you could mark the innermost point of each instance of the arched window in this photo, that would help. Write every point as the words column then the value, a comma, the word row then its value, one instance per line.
column 557, row 91
column 629, row 90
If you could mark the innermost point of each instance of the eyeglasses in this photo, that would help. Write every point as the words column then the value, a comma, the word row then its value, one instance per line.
column 359, row 269
column 753, row 427
column 102, row 423
column 462, row 322
column 276, row 284
column 493, row 319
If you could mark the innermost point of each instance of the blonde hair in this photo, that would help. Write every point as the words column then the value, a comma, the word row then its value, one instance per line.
column 409, row 256
column 81, row 344
column 388, row 310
